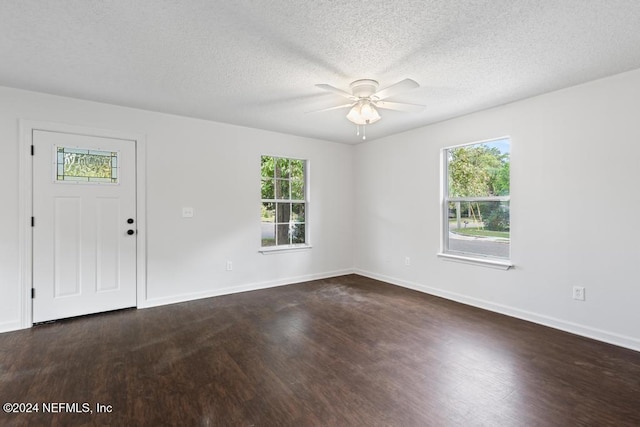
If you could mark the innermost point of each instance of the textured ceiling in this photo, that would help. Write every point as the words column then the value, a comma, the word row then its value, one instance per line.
column 256, row 63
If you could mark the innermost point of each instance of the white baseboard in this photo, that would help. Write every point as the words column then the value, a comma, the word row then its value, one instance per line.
column 155, row 302
column 11, row 326
column 563, row 325
column 552, row 322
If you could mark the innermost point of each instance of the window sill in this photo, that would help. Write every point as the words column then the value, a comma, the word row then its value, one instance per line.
column 283, row 249
column 491, row 263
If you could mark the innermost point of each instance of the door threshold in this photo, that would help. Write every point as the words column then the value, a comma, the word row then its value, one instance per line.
column 83, row 316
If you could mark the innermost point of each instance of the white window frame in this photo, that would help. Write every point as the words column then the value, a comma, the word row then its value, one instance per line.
column 466, row 257
column 297, row 246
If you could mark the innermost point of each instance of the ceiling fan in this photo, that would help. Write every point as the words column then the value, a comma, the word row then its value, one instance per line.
column 365, row 98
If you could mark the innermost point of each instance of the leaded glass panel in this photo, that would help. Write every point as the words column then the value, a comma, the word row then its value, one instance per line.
column 73, row 164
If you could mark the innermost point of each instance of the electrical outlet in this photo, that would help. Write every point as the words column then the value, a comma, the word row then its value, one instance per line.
column 229, row 265
column 187, row 212
column 407, row 260
column 578, row 293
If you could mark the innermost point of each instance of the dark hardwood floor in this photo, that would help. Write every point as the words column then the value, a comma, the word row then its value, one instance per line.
column 348, row 351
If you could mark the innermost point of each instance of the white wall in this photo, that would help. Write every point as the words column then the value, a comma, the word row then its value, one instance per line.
column 212, row 167
column 575, row 172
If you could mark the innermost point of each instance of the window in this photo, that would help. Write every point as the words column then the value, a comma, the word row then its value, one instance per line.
column 284, row 201
column 74, row 164
column 476, row 201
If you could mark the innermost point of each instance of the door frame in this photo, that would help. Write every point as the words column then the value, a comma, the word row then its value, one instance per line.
column 25, row 206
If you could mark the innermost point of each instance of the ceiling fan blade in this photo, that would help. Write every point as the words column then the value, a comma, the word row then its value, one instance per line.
column 400, row 106
column 401, row 86
column 333, row 108
column 336, row 90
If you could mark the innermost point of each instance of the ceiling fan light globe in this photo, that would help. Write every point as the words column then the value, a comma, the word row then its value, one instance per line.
column 355, row 116
column 363, row 113
column 366, row 111
column 369, row 113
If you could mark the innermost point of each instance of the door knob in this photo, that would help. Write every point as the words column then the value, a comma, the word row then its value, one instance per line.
column 130, row 232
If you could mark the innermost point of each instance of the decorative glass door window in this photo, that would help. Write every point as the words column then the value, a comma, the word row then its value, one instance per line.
column 75, row 164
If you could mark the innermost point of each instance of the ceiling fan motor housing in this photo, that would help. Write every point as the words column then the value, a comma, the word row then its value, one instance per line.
column 364, row 88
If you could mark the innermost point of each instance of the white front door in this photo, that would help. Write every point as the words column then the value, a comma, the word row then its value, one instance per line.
column 84, row 234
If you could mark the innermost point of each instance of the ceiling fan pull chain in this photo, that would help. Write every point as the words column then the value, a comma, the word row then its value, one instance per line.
column 364, row 132
column 357, row 130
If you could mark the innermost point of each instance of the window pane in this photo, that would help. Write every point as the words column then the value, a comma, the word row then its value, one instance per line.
column 283, row 212
column 479, row 228
column 297, row 189
column 282, row 189
column 282, row 168
column 267, row 167
column 297, row 233
column 283, row 234
column 478, row 170
column 297, row 169
column 268, row 212
column 268, row 234
column 297, row 212
column 268, row 189
column 75, row 164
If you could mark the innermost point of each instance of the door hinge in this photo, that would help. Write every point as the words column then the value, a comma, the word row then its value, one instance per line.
column 33, row 293
column 33, row 150
column 33, row 221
